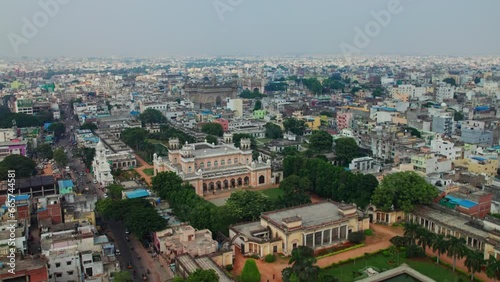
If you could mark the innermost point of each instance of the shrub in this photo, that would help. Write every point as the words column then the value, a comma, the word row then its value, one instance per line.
column 368, row 232
column 250, row 272
column 386, row 253
column 414, row 251
column 254, row 256
column 229, row 267
column 356, row 237
column 270, row 258
column 400, row 241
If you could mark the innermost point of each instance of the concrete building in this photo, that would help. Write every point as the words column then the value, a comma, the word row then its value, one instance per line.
column 182, row 239
column 318, row 225
column 23, row 106
column 236, row 105
column 474, row 132
column 443, row 124
column 211, row 167
column 362, row 164
column 428, row 163
column 479, row 165
column 446, row 148
column 344, row 120
column 101, row 167
column 13, row 147
column 444, row 92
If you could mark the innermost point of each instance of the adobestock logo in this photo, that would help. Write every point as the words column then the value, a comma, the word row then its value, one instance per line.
column 40, row 19
column 223, row 6
column 363, row 37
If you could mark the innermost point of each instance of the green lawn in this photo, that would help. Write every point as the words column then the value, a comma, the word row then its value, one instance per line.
column 273, row 194
column 425, row 266
column 149, row 171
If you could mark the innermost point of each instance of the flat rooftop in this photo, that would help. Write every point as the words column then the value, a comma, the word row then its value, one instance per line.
column 312, row 214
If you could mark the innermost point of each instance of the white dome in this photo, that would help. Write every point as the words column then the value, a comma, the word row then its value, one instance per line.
column 443, row 105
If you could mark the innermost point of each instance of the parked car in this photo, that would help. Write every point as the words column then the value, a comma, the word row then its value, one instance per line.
column 94, row 181
column 117, row 252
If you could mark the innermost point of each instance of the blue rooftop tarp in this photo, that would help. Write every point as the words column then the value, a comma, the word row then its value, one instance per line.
column 137, row 193
column 461, row 202
column 479, row 159
column 65, row 183
column 135, row 113
column 46, row 125
column 482, row 108
column 23, row 197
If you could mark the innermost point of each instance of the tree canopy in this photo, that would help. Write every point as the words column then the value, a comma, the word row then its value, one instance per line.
column 320, row 141
column 295, row 189
column 58, row 129
column 450, row 80
column 44, row 151
column 304, row 268
column 115, row 191
column 295, row 126
column 332, row 182
column 139, row 215
column 247, row 94
column 60, row 157
column 258, row 105
column 247, row 205
column 24, row 167
column 273, row 131
column 345, row 150
column 212, row 139
column 213, row 128
column 152, row 116
column 89, row 125
column 202, row 275
column 403, row 190
column 134, row 137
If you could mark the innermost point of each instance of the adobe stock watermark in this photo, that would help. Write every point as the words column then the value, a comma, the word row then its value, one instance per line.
column 40, row 19
column 363, row 37
column 223, row 6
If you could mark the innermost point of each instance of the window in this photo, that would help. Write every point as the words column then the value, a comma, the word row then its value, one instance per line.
column 235, row 160
column 223, row 162
column 189, row 169
column 70, row 272
column 58, row 264
column 202, row 165
column 216, row 164
column 58, row 275
column 209, row 164
column 68, row 263
column 228, row 161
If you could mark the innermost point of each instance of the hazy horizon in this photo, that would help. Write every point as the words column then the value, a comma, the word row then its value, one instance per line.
column 156, row 28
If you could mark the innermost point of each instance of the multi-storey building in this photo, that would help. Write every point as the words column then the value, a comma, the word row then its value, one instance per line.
column 344, row 120
column 428, row 163
column 474, row 132
column 446, row 148
column 211, row 167
column 443, row 124
column 23, row 106
column 479, row 165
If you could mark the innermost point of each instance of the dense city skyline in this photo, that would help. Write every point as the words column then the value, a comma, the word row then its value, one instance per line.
column 232, row 28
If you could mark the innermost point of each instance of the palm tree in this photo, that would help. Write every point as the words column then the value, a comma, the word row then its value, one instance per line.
column 440, row 245
column 425, row 238
column 411, row 230
column 456, row 249
column 492, row 268
column 303, row 261
column 474, row 261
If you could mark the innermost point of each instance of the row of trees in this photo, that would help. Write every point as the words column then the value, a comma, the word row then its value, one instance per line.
column 23, row 120
column 328, row 181
column 452, row 246
column 139, row 215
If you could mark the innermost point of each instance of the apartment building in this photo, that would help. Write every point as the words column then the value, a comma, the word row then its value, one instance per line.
column 446, row 148
column 428, row 163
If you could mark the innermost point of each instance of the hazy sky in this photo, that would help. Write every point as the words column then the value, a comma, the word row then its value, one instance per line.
column 145, row 28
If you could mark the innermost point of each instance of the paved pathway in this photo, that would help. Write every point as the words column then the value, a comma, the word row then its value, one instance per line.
column 140, row 169
column 379, row 240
